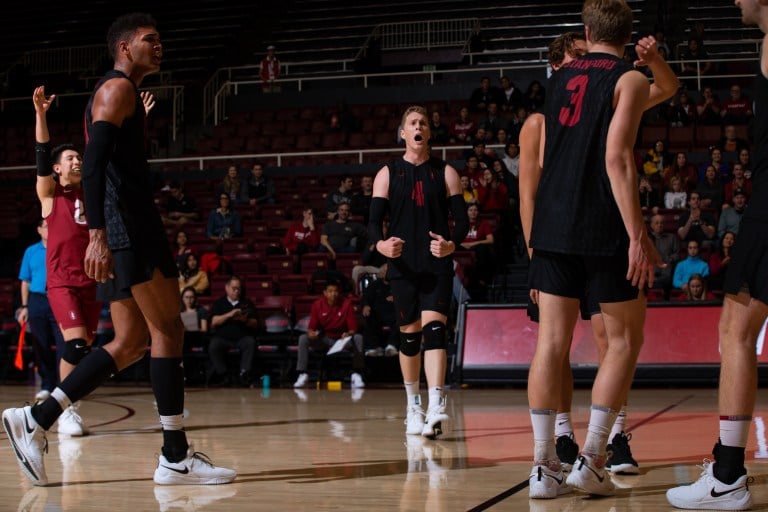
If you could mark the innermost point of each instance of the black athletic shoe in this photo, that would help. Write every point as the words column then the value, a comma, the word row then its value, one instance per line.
column 620, row 459
column 567, row 451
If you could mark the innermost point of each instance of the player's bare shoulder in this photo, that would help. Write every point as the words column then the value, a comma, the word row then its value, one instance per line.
column 381, row 182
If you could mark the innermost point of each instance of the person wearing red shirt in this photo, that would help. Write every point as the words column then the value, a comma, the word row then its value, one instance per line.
column 492, row 194
column 270, row 71
column 479, row 239
column 331, row 318
column 302, row 236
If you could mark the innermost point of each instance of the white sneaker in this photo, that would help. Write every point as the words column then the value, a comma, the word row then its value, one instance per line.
column 197, row 468
column 70, row 422
column 587, row 477
column 390, row 351
column 28, row 441
column 546, row 483
column 356, row 381
column 414, row 418
column 42, row 395
column 374, row 352
column 301, row 381
column 709, row 493
column 190, row 497
column 433, row 421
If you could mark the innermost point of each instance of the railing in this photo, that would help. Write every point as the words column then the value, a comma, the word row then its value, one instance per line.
column 74, row 59
column 412, row 35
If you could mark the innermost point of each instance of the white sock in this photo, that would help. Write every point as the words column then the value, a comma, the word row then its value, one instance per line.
column 435, row 394
column 600, row 421
column 563, row 425
column 175, row 422
column 411, row 390
column 61, row 398
column 734, row 430
column 619, row 424
column 543, row 423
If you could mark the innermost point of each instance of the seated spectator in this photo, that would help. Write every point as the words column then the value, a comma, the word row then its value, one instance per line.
column 331, row 318
column 516, row 123
column 233, row 186
column 716, row 161
column 693, row 264
column 492, row 121
column 483, row 95
column 738, row 182
column 710, row 190
column 182, row 247
column 708, row 109
column 730, row 217
column 302, row 236
column 675, row 197
column 501, row 138
column 669, row 251
column 479, row 240
column 510, row 96
column 224, row 222
column 469, row 193
column 681, row 111
column 746, row 162
column 462, row 128
column 382, row 334
column 730, row 142
column 473, row 170
column 692, row 58
column 233, row 321
column 696, row 290
column 194, row 317
column 370, row 261
column 484, row 159
column 479, row 137
column 492, row 194
column 684, row 170
column 341, row 234
column 361, row 200
column 261, row 189
column 439, row 133
column 191, row 276
column 719, row 260
column 511, row 158
column 179, row 209
column 737, row 109
column 656, row 162
column 534, row 96
column 340, row 195
column 649, row 198
column 695, row 224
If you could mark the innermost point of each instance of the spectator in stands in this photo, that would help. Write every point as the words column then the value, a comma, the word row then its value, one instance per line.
column 661, row 45
column 302, row 236
column 746, row 162
column 261, row 189
column 656, row 162
column 269, row 71
column 738, row 181
column 341, row 234
column 370, row 261
column 233, row 186
column 696, row 289
column 649, row 197
column 534, row 96
column 483, row 96
column 361, row 200
column 711, row 190
column 511, row 158
column 479, row 240
column 462, row 128
column 470, row 194
column 691, row 57
column 179, row 209
column 737, row 109
column 440, row 132
column 695, row 224
column 669, row 250
column 233, row 321
column 478, row 149
column 730, row 142
column 676, row 197
column 492, row 122
column 224, row 222
column 182, row 247
column 722, row 171
column 340, row 195
column 501, row 138
column 684, row 170
column 719, row 260
column 378, row 310
column 511, row 97
column 516, row 123
column 693, row 264
column 190, row 275
column 708, row 109
column 492, row 194
column 194, row 317
column 730, row 217
column 473, row 170
column 331, row 318
column 681, row 112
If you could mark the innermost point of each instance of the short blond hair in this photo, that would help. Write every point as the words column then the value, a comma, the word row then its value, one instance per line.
column 609, row 21
column 410, row 110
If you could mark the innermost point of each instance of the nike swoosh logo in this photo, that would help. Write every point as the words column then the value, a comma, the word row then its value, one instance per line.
column 561, row 423
column 435, row 328
column 558, row 480
column 26, row 425
column 181, row 471
column 716, row 494
column 597, row 475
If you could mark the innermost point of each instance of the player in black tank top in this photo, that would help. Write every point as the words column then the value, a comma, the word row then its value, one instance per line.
column 115, row 119
column 724, row 483
column 418, row 193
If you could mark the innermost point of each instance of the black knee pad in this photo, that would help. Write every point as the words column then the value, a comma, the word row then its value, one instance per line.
column 410, row 343
column 434, row 336
column 75, row 350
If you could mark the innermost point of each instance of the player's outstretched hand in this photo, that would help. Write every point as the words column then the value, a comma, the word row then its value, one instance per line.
column 42, row 104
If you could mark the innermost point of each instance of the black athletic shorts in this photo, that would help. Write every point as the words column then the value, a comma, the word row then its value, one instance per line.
column 748, row 270
column 568, row 275
column 132, row 267
column 588, row 306
column 422, row 292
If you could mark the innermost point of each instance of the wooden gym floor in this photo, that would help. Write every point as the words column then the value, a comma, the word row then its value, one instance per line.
column 337, row 450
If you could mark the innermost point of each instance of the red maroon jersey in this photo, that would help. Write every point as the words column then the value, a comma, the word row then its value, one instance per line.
column 67, row 239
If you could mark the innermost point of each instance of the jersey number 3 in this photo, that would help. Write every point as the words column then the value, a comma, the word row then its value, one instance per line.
column 577, row 86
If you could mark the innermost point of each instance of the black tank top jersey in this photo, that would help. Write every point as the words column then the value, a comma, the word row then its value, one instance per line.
column 132, row 219
column 418, row 204
column 575, row 210
column 758, row 201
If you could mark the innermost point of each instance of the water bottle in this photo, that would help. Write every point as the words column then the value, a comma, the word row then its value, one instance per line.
column 265, row 384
